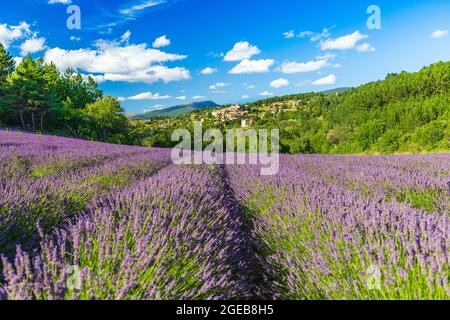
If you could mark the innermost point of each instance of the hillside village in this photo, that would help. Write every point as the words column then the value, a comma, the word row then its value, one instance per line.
column 248, row 115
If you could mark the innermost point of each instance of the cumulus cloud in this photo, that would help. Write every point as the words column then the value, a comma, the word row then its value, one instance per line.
column 32, row 46
column 150, row 75
column 148, row 96
column 253, row 66
column 218, row 85
column 266, row 94
column 303, row 67
column 328, row 80
column 242, row 50
column 280, row 83
column 439, row 34
column 343, row 43
column 208, row 71
column 181, row 98
column 161, row 42
column 245, row 96
column 113, row 62
column 9, row 34
column 365, row 47
column 198, row 97
column 73, row 38
column 289, row 34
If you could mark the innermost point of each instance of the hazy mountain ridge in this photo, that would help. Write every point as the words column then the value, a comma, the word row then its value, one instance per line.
column 176, row 111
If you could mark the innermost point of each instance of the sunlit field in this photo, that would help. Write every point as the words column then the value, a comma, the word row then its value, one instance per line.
column 85, row 220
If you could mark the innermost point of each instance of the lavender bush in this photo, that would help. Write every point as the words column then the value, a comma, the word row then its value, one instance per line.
column 327, row 222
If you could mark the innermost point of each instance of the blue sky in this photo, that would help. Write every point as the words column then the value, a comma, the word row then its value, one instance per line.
column 227, row 50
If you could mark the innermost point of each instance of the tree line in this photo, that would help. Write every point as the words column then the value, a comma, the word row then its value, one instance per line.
column 35, row 96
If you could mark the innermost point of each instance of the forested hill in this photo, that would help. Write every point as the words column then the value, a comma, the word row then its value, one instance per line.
column 406, row 112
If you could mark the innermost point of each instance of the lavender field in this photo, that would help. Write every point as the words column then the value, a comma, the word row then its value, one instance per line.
column 135, row 226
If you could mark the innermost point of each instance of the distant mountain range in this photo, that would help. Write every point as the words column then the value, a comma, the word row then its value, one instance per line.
column 175, row 111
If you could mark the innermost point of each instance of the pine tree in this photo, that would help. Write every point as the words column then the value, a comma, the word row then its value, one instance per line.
column 28, row 87
column 7, row 66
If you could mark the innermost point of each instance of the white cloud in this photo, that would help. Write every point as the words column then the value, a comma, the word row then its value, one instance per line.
column 121, row 99
column 316, row 36
column 216, row 54
column 73, row 38
column 302, row 67
column 9, row 34
column 161, row 42
column 18, row 60
column 59, row 1
column 327, row 56
column 208, row 71
column 218, row 85
column 181, row 98
column 266, row 94
column 141, row 6
column 242, row 50
column 289, row 34
column 306, row 34
column 365, row 47
column 32, row 46
column 250, row 86
column 245, row 96
column 439, row 34
column 198, row 97
column 328, row 80
column 253, row 66
column 280, row 83
column 109, row 58
column 125, row 37
column 97, row 78
column 150, row 75
column 148, row 96
column 111, row 62
column 155, row 107
column 343, row 43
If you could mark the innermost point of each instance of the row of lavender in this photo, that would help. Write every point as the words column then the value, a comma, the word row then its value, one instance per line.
column 100, row 222
column 333, row 227
column 159, row 239
column 44, row 181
